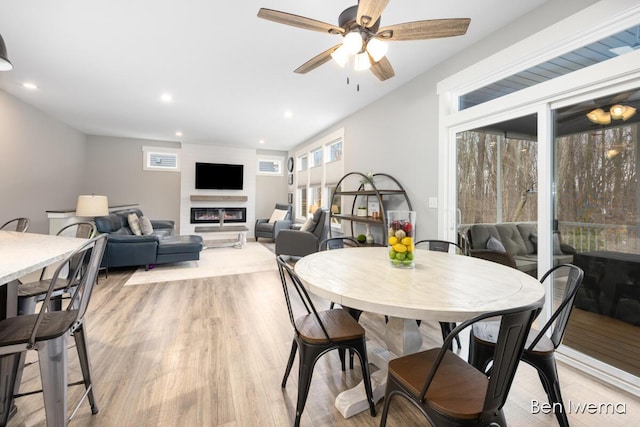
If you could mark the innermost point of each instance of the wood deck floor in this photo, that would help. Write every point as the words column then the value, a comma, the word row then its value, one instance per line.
column 211, row 352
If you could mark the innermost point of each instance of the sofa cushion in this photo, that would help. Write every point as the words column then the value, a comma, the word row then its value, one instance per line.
column 557, row 250
column 278, row 215
column 480, row 233
column 134, row 224
column 526, row 230
column 179, row 244
column 145, row 225
column 511, row 239
column 495, row 245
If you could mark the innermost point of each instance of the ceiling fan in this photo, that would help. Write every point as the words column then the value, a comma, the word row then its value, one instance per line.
column 363, row 39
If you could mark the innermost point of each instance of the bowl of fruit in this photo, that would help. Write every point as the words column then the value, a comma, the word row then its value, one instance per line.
column 401, row 229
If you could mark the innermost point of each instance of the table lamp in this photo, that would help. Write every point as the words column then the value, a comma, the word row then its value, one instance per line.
column 92, row 206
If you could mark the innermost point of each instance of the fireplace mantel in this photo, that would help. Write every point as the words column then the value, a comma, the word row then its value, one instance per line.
column 202, row 198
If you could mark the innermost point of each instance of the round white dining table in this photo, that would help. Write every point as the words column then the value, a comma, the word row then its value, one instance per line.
column 442, row 287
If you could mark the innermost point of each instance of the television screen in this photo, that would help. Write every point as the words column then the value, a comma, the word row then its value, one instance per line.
column 217, row 176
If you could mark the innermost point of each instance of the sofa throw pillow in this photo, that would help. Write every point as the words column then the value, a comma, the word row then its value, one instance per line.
column 277, row 215
column 556, row 244
column 134, row 224
column 495, row 245
column 145, row 225
column 533, row 238
column 308, row 225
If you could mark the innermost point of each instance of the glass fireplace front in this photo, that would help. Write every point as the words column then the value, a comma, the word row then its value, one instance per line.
column 213, row 215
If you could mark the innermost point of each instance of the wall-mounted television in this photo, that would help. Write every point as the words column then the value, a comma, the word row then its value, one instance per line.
column 218, row 176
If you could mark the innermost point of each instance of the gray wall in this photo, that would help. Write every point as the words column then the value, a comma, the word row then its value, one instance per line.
column 114, row 169
column 398, row 134
column 42, row 163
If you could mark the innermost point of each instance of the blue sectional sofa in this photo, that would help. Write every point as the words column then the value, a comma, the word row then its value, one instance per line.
column 125, row 248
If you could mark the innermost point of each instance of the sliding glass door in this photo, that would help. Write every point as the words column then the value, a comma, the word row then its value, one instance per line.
column 596, row 203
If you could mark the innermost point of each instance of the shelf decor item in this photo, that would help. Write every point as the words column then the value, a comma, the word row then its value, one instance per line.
column 401, row 229
column 362, row 211
column 369, row 236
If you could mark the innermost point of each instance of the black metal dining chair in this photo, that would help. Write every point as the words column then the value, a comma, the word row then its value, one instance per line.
column 21, row 225
column 317, row 333
column 443, row 246
column 540, row 348
column 47, row 330
column 450, row 392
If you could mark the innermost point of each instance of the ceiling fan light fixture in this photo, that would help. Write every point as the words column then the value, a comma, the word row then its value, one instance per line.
column 599, row 117
column 353, row 42
column 377, row 49
column 617, row 111
column 628, row 113
column 5, row 64
column 362, row 62
column 340, row 55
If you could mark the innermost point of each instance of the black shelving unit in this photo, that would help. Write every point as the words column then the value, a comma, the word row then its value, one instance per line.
column 382, row 194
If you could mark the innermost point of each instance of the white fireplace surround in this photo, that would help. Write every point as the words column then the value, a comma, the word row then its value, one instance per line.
column 245, row 198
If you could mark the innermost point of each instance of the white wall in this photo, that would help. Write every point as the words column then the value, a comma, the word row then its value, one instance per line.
column 271, row 189
column 192, row 153
column 42, row 163
column 398, row 133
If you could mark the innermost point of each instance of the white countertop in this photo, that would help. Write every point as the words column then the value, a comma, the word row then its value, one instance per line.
column 23, row 253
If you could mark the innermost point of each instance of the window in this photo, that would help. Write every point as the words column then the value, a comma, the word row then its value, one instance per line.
column 160, row 159
column 316, row 158
column 270, row 166
column 320, row 166
column 334, row 151
column 609, row 47
column 303, row 163
column 301, row 205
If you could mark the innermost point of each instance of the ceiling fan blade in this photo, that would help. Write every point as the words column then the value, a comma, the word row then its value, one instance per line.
column 382, row 69
column 421, row 30
column 317, row 60
column 369, row 11
column 298, row 21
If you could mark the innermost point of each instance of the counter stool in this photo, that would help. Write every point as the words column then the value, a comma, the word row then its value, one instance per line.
column 46, row 332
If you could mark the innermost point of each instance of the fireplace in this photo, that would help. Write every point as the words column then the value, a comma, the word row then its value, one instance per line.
column 212, row 215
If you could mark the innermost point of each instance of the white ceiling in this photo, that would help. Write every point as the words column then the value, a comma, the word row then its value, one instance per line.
column 101, row 66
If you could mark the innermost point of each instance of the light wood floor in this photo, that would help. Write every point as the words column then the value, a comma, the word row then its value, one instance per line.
column 211, row 352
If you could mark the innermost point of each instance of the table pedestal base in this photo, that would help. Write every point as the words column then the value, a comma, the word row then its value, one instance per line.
column 402, row 336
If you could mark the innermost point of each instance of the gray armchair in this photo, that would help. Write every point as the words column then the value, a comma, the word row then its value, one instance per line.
column 270, row 230
column 306, row 240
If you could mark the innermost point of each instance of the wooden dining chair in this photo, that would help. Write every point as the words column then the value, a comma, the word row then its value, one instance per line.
column 316, row 333
column 449, row 391
column 30, row 293
column 443, row 246
column 540, row 348
column 21, row 225
column 47, row 330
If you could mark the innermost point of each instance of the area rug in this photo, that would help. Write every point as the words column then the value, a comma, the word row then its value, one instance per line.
column 254, row 257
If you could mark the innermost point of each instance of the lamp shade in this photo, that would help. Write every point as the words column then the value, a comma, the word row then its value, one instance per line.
column 92, row 206
column 5, row 64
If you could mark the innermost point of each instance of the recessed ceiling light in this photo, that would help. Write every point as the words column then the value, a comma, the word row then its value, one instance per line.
column 261, row 141
column 178, row 133
column 166, row 97
column 288, row 114
column 30, row 85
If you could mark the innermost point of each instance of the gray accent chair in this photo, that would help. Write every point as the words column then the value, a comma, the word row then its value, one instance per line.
column 305, row 241
column 269, row 230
